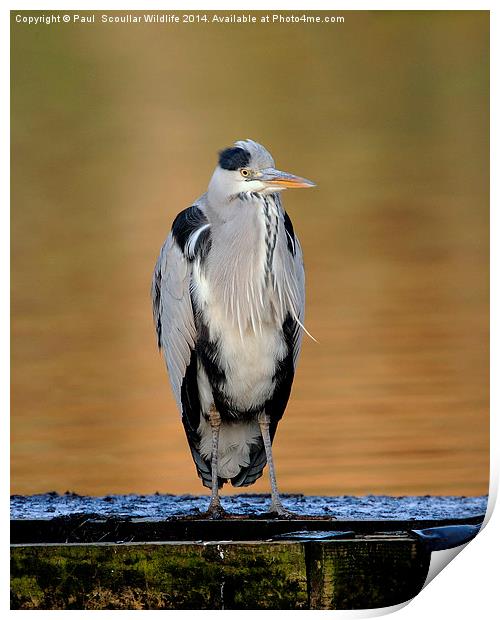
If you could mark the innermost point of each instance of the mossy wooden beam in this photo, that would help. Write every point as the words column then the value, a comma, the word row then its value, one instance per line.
column 365, row 574
column 356, row 573
column 145, row 552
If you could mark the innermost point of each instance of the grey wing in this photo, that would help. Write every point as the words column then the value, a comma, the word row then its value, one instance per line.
column 175, row 328
column 173, row 312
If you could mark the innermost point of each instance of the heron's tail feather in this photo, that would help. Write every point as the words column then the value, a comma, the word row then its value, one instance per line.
column 249, row 474
column 258, row 460
column 204, row 469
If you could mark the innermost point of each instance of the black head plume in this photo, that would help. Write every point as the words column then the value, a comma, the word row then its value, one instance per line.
column 234, row 158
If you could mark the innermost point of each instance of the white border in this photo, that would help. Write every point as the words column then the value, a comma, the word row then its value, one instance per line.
column 468, row 586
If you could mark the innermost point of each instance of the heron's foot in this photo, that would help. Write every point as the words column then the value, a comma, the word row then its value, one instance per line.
column 276, row 509
column 215, row 511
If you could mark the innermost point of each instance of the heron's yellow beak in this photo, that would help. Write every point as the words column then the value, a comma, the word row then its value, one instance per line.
column 276, row 178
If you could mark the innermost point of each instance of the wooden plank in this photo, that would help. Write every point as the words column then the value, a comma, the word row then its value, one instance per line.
column 159, row 552
column 358, row 573
column 366, row 574
column 93, row 528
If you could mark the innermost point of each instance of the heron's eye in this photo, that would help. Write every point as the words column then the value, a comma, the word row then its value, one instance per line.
column 245, row 172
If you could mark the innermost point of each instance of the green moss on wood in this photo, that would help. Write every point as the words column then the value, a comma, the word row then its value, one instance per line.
column 170, row 576
column 357, row 573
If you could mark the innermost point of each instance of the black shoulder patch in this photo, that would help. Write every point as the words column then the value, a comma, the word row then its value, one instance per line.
column 234, row 158
column 290, row 237
column 186, row 223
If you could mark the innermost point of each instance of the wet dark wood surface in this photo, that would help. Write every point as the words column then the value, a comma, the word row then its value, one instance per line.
column 163, row 506
column 53, row 518
column 160, row 552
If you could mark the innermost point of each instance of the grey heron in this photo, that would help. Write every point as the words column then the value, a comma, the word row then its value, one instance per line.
column 228, row 304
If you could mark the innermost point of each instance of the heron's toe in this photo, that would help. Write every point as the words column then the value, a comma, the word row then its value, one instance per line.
column 215, row 511
column 277, row 510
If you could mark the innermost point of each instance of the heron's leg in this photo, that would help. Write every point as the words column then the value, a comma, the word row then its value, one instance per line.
column 215, row 509
column 276, row 505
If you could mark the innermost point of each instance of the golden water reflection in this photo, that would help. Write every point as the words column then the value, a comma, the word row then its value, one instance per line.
column 116, row 128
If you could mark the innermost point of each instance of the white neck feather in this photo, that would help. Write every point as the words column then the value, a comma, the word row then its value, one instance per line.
column 241, row 268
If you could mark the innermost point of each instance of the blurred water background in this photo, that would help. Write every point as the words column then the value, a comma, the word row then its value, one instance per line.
column 116, row 128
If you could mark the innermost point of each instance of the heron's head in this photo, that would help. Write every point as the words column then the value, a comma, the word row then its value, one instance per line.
column 247, row 167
